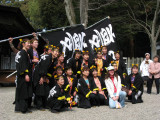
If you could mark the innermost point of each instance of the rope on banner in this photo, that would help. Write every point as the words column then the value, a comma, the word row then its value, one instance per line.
column 63, row 28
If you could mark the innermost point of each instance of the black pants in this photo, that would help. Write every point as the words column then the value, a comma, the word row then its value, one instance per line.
column 149, row 84
column 133, row 99
column 145, row 79
column 87, row 102
column 100, row 99
column 41, row 102
column 57, row 105
column 92, row 99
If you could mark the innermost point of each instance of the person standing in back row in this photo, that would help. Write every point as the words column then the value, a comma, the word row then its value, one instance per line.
column 144, row 67
column 154, row 74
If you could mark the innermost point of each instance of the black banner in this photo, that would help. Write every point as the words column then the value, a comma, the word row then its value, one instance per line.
column 67, row 39
column 77, row 37
column 101, row 34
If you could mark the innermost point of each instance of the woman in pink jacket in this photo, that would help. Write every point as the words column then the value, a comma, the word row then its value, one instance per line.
column 154, row 74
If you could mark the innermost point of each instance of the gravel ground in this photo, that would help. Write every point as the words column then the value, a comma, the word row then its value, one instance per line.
column 150, row 109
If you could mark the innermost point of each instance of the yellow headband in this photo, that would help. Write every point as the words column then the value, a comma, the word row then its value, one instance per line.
column 135, row 65
column 92, row 67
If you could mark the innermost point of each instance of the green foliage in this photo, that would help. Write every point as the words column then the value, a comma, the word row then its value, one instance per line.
column 34, row 14
column 47, row 14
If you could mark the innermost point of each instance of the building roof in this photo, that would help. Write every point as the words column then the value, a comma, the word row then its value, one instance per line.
column 13, row 23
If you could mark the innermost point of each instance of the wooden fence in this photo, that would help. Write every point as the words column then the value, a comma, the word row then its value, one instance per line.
column 130, row 61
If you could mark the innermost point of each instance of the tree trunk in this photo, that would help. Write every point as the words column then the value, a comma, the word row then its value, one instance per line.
column 153, row 48
column 131, row 47
column 84, row 12
column 70, row 12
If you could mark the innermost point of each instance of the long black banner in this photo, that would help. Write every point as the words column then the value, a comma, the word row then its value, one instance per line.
column 72, row 38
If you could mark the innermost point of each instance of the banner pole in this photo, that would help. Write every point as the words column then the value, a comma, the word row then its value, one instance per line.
column 39, row 32
column 11, row 74
column 98, row 22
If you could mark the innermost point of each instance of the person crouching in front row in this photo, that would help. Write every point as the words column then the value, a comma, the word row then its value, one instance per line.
column 100, row 85
column 113, row 85
column 135, row 85
column 86, row 91
column 58, row 99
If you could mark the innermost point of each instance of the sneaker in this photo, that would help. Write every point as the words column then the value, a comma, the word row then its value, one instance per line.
column 124, row 106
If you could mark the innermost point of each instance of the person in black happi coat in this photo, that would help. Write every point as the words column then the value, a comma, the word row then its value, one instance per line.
column 70, row 83
column 85, row 60
column 41, row 78
column 100, row 63
column 24, row 78
column 75, row 63
column 101, row 91
column 53, row 72
column 121, row 67
column 86, row 90
column 135, row 85
column 58, row 99
column 106, row 56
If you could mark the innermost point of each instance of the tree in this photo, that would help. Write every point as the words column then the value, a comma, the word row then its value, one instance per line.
column 70, row 12
column 34, row 14
column 84, row 6
column 84, row 12
column 150, row 26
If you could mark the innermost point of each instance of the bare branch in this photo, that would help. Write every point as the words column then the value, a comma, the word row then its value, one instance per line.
column 145, row 11
column 108, row 3
column 155, row 18
column 149, row 2
column 133, row 17
column 146, row 24
column 158, row 32
column 93, row 3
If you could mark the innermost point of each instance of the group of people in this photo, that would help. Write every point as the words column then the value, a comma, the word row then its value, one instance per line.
column 48, row 82
column 150, row 71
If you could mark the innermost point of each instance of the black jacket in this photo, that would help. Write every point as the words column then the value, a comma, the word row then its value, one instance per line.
column 23, row 67
column 121, row 68
column 108, row 60
column 41, row 70
column 84, row 89
column 67, row 86
column 138, row 82
column 72, row 64
column 103, row 86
